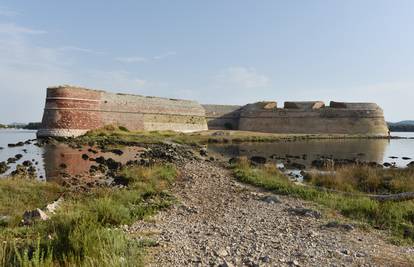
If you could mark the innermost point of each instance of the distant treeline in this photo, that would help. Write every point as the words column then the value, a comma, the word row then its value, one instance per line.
column 29, row 126
column 401, row 127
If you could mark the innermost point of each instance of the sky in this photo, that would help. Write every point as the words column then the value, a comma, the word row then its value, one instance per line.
column 215, row 52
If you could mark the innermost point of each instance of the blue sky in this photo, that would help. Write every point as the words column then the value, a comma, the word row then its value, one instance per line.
column 216, row 51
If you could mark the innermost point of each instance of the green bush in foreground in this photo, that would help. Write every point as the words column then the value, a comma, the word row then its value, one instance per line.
column 396, row 217
column 87, row 229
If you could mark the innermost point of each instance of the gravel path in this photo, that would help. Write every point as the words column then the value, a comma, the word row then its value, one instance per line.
column 219, row 222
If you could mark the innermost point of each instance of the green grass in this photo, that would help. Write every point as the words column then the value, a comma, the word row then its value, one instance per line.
column 87, row 229
column 394, row 217
column 366, row 179
column 112, row 135
column 18, row 195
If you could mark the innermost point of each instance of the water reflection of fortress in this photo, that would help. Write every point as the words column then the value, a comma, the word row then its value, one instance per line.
column 372, row 149
column 365, row 150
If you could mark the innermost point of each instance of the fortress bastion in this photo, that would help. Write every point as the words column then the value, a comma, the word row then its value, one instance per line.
column 72, row 111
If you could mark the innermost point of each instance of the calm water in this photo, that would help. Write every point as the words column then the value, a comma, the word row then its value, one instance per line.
column 369, row 150
column 49, row 158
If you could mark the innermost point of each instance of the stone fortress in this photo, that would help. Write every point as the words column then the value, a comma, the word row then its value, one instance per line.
column 72, row 111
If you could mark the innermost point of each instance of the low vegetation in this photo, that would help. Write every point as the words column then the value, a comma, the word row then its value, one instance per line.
column 88, row 228
column 395, row 217
column 366, row 179
column 120, row 135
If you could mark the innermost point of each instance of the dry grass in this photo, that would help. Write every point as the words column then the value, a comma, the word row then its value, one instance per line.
column 395, row 217
column 366, row 179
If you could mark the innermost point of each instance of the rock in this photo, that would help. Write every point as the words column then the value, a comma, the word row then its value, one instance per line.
column 27, row 163
column 265, row 259
column 203, row 152
column 3, row 167
column 117, row 152
column 4, row 220
column 323, row 163
column 52, row 207
column 85, row 156
column 226, row 264
column 18, row 156
column 11, row 160
column 258, row 160
column 271, row 199
column 63, row 166
column 218, row 133
column 30, row 216
column 387, row 164
column 233, row 161
column 294, row 263
column 92, row 151
column 16, row 145
column 295, row 165
column 305, row 212
column 411, row 164
column 222, row 252
column 334, row 224
column 406, row 158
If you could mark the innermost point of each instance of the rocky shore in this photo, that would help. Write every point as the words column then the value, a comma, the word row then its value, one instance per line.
column 220, row 222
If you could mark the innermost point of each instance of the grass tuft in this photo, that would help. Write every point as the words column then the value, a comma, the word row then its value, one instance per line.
column 87, row 229
column 395, row 217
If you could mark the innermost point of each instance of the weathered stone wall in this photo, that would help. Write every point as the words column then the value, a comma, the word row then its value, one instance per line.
column 221, row 117
column 350, row 118
column 72, row 111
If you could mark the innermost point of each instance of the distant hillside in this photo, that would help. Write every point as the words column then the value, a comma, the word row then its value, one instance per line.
column 405, row 122
column 402, row 126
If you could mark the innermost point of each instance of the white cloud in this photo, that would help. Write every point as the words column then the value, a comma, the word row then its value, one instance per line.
column 131, row 59
column 165, row 55
column 6, row 12
column 240, row 77
column 70, row 48
column 26, row 70
column 13, row 29
column 137, row 59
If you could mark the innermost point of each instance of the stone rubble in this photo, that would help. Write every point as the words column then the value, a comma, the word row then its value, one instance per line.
column 220, row 222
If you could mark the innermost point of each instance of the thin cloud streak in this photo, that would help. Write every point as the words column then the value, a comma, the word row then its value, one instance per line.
column 7, row 12
column 13, row 29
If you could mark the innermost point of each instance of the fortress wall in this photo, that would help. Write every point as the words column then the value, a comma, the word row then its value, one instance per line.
column 315, row 125
column 221, row 117
column 323, row 120
column 72, row 111
column 153, row 113
column 306, row 105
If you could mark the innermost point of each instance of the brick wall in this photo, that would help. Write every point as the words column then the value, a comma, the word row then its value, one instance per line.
column 71, row 111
